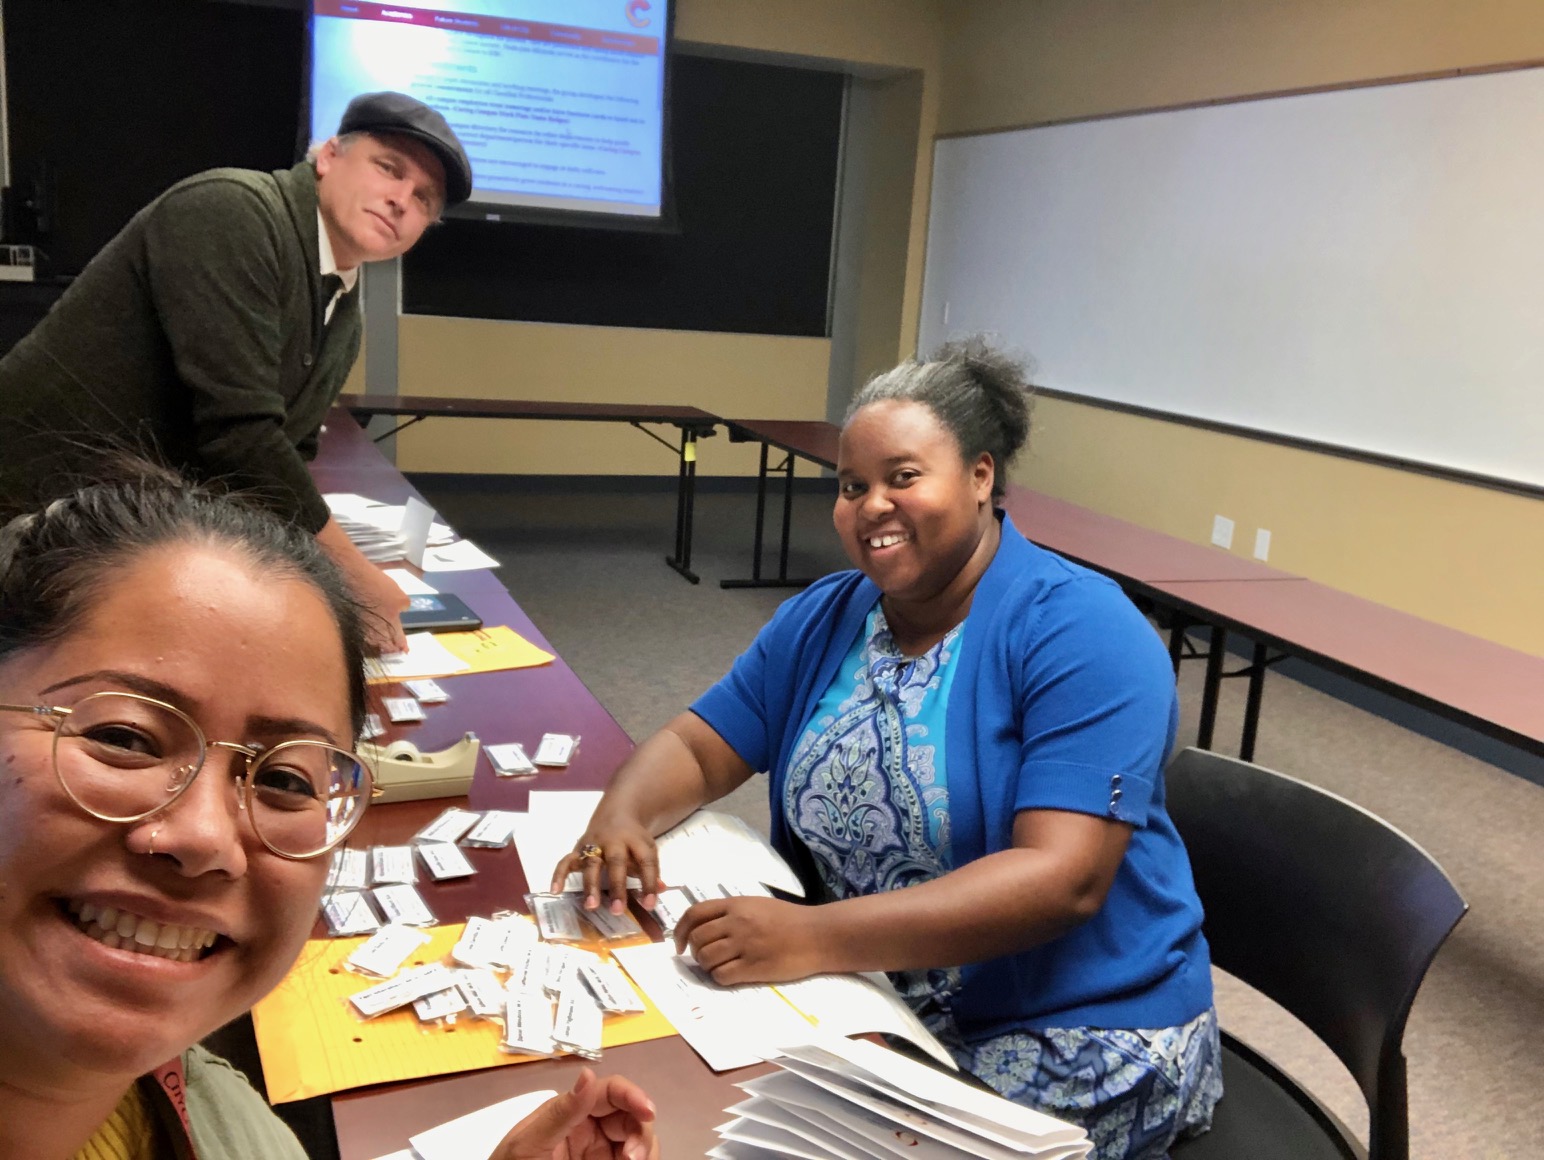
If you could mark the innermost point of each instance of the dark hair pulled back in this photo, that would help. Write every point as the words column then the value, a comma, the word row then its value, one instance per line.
column 980, row 395
column 56, row 562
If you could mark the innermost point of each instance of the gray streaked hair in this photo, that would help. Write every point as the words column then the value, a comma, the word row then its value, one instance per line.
column 980, row 395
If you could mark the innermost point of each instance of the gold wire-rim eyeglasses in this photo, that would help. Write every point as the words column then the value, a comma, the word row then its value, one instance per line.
column 255, row 758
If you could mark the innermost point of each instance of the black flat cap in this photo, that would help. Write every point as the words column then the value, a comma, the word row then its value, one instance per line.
column 390, row 112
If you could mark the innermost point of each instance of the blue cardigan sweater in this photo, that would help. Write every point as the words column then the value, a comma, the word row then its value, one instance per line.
column 1063, row 698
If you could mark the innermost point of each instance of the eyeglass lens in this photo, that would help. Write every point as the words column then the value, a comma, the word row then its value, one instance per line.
column 122, row 757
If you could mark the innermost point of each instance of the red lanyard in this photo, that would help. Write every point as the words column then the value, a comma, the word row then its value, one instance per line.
column 170, row 1079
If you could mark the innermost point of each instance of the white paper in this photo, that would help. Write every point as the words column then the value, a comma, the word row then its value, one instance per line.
column 958, row 1105
column 417, row 517
column 860, row 1004
column 425, row 657
column 831, row 1144
column 475, row 1135
column 550, row 828
column 710, row 846
column 728, row 1026
column 427, row 691
column 410, row 584
column 462, row 556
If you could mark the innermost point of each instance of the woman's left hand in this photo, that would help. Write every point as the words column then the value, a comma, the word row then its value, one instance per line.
column 600, row 1119
column 752, row 940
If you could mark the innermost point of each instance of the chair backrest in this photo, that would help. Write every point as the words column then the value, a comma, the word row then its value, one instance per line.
column 1322, row 906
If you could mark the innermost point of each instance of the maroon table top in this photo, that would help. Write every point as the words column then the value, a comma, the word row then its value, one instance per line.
column 815, row 440
column 1497, row 690
column 513, row 705
column 517, row 705
column 690, row 1099
column 472, row 408
column 1125, row 551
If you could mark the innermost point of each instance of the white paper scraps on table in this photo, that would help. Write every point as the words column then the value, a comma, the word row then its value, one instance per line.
column 475, row 1135
column 427, row 691
column 425, row 657
column 350, row 869
column 410, row 584
column 497, row 829
column 403, row 709
column 451, row 825
column 728, row 1026
column 709, row 846
column 417, row 517
column 445, row 860
column 462, row 556
column 509, row 759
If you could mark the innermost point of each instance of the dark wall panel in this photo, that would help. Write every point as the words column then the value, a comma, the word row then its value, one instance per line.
column 114, row 100
column 755, row 160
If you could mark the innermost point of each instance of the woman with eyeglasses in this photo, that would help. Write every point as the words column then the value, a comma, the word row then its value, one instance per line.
column 181, row 682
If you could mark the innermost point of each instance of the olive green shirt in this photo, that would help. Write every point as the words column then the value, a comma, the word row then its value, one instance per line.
column 195, row 336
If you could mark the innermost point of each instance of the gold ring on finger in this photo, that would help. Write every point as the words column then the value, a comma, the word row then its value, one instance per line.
column 591, row 851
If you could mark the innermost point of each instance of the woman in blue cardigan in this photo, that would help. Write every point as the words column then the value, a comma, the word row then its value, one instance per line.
column 965, row 739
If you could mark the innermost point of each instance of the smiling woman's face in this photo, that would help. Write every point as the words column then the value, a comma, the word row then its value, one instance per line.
column 910, row 510
column 252, row 657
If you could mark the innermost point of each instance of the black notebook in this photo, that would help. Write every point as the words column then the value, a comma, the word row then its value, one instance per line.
column 439, row 613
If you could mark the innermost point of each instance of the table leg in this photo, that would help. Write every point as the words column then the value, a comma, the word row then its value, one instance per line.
column 781, row 580
column 686, row 495
column 1212, row 688
column 782, row 556
column 1257, row 669
column 1177, row 639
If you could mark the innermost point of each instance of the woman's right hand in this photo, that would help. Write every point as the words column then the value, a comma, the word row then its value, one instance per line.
column 611, row 849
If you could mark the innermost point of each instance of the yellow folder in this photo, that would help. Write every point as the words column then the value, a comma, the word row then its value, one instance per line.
column 313, row 1042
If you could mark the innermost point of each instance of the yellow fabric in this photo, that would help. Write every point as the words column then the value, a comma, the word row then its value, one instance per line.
column 487, row 650
column 128, row 1134
column 312, row 1042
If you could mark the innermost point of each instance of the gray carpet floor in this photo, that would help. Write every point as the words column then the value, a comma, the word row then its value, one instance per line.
column 588, row 568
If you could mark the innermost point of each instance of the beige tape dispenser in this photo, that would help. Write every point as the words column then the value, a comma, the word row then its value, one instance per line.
column 405, row 774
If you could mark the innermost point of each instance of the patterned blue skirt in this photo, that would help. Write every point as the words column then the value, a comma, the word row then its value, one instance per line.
column 1133, row 1092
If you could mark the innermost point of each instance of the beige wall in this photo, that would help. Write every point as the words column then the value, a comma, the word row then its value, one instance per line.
column 1463, row 556
column 742, row 376
column 1468, row 557
column 1016, row 62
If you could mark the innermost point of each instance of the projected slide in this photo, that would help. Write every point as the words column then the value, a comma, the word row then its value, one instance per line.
column 560, row 103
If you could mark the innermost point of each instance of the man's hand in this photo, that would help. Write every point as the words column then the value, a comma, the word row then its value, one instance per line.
column 600, row 1119
column 752, row 940
column 382, row 604
column 381, row 601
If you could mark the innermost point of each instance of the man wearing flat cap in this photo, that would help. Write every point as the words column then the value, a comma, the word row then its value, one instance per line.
column 218, row 327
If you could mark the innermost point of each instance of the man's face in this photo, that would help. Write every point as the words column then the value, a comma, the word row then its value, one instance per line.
column 377, row 195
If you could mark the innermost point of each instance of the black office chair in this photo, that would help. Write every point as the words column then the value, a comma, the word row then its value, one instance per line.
column 1333, row 914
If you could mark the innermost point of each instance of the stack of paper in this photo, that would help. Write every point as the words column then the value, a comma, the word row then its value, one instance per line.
column 376, row 529
column 847, row 1100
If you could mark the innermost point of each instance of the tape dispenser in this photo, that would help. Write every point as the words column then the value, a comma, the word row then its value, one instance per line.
column 406, row 774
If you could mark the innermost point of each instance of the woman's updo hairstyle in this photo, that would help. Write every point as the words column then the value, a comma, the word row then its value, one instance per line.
column 980, row 395
column 55, row 562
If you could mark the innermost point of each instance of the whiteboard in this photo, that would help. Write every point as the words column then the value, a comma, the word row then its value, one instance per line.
column 1360, row 267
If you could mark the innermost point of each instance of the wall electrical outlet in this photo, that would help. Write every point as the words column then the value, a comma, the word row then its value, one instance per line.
column 1262, row 543
column 1222, row 531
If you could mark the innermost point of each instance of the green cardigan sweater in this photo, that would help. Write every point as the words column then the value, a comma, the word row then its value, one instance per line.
column 195, row 336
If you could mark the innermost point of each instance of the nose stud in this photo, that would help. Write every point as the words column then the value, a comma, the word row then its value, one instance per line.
column 150, row 845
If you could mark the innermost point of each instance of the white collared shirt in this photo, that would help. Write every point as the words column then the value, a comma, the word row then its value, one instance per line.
column 329, row 265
